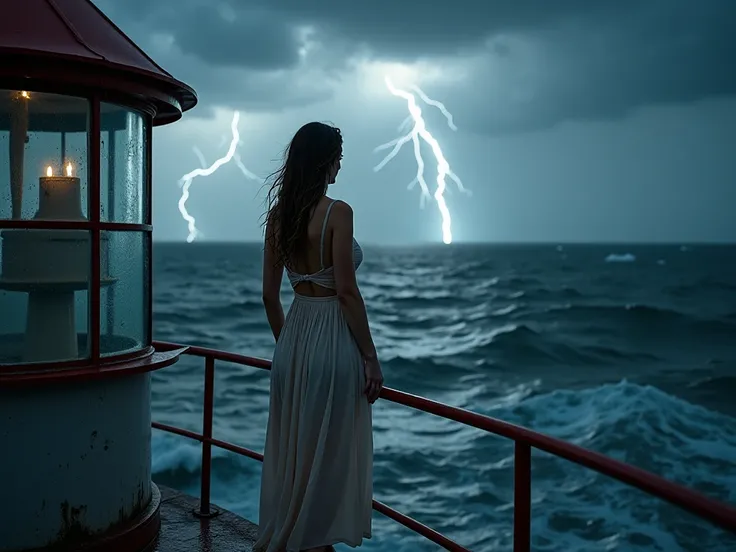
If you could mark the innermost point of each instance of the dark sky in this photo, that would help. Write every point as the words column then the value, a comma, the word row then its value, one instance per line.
column 577, row 120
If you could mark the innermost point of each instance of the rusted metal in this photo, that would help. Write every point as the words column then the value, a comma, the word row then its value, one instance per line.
column 72, row 528
column 129, row 536
column 106, row 425
column 716, row 512
column 522, row 496
column 205, row 510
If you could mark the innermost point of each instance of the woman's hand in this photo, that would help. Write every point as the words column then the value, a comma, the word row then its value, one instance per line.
column 373, row 379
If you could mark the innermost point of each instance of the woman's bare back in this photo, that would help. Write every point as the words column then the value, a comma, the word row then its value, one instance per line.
column 309, row 261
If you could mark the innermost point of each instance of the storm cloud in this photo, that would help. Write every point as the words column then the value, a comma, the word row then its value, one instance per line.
column 530, row 64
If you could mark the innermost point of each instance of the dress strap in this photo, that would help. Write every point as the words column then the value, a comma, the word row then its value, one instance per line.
column 322, row 237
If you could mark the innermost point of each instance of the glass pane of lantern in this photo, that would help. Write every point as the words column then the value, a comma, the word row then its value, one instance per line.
column 44, row 274
column 44, row 289
column 124, row 304
column 122, row 165
column 43, row 135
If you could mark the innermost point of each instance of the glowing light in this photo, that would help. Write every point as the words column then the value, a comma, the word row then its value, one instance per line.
column 186, row 181
column 419, row 131
column 49, row 171
column 68, row 169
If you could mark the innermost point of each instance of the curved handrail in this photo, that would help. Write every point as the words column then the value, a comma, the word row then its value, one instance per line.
column 718, row 513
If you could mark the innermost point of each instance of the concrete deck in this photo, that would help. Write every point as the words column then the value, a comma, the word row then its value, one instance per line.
column 181, row 531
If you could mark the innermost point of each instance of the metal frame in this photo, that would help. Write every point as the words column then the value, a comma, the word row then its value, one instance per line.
column 149, row 362
column 94, row 225
column 60, row 75
column 718, row 513
column 93, row 215
column 148, row 220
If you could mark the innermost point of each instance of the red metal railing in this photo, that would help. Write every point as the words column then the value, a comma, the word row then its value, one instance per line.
column 718, row 513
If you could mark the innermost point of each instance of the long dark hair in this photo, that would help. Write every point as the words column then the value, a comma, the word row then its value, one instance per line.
column 298, row 186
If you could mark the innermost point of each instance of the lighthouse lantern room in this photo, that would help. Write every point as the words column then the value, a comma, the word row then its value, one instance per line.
column 78, row 102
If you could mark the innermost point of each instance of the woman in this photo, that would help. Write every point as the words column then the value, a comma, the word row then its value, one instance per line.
column 317, row 481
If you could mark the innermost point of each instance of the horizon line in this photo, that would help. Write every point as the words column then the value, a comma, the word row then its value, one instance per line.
column 466, row 243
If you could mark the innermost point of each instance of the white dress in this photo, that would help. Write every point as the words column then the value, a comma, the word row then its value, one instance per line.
column 317, row 480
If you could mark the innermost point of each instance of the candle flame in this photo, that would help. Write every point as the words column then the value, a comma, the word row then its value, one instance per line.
column 68, row 169
column 25, row 95
column 49, row 171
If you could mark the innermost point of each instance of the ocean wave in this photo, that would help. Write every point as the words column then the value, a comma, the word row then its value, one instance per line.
column 599, row 418
column 650, row 313
column 634, row 317
column 545, row 292
column 724, row 384
column 522, row 322
column 181, row 458
column 709, row 285
column 461, row 340
column 516, row 341
column 439, row 466
column 522, row 346
column 620, row 258
column 209, row 311
column 637, row 424
column 512, row 346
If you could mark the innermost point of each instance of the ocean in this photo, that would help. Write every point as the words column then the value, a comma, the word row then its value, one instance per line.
column 628, row 350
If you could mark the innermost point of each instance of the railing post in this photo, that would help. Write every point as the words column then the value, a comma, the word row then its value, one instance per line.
column 522, row 496
column 205, row 510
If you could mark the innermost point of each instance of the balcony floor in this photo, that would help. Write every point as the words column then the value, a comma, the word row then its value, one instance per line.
column 181, row 531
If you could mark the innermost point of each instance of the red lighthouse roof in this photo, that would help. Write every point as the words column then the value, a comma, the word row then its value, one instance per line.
column 44, row 36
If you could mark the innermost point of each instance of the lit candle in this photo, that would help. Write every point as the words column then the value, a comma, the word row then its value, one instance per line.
column 59, row 197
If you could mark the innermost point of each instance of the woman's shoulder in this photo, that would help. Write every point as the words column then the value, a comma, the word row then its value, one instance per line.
column 341, row 208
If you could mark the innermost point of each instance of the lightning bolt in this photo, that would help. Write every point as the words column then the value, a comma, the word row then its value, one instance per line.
column 185, row 182
column 419, row 132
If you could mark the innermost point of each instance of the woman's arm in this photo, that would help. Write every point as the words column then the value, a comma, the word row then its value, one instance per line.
column 348, row 293
column 273, row 272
